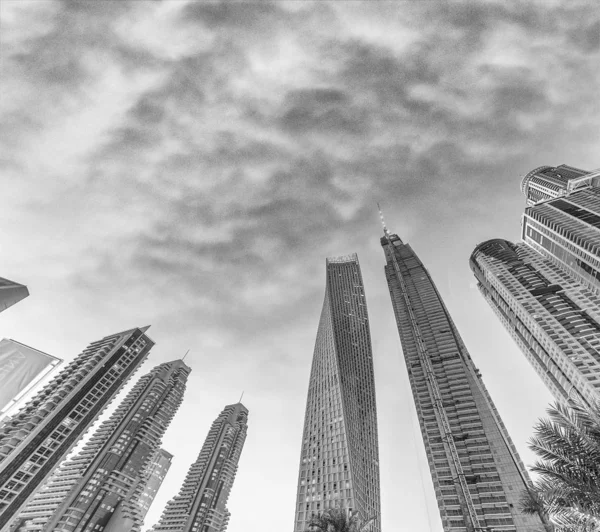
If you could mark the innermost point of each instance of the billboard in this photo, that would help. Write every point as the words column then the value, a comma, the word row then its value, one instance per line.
column 19, row 366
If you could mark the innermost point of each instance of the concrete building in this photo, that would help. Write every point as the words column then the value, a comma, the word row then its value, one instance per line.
column 553, row 319
column 11, row 293
column 36, row 439
column 100, row 487
column 562, row 220
column 339, row 459
column 477, row 474
column 201, row 505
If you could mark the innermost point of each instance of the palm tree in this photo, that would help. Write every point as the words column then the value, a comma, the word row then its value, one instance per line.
column 568, row 486
column 336, row 520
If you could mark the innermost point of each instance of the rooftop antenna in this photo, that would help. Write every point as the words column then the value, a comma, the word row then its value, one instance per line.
column 186, row 354
column 241, row 397
column 385, row 229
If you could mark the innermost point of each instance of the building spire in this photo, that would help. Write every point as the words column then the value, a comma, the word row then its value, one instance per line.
column 186, row 354
column 241, row 396
column 385, row 229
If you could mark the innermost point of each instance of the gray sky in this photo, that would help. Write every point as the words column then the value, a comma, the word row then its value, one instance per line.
column 190, row 165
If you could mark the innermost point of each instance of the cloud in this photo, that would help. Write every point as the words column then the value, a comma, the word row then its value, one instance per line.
column 191, row 164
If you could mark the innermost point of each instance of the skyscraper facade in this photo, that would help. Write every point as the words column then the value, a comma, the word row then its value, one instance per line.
column 552, row 318
column 11, row 293
column 154, row 475
column 562, row 221
column 40, row 435
column 477, row 474
column 100, row 488
column 339, row 460
column 201, row 505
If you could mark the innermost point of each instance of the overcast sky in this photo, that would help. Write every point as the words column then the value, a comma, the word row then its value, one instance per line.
column 190, row 165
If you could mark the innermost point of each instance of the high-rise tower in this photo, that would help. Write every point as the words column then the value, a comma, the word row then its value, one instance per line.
column 477, row 473
column 154, row 475
column 11, row 293
column 41, row 434
column 552, row 318
column 201, row 505
column 339, row 461
column 100, row 487
column 562, row 221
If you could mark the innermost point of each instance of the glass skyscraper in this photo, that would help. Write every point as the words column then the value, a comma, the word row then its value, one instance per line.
column 154, row 475
column 562, row 220
column 339, row 460
column 100, row 487
column 201, row 505
column 477, row 474
column 11, row 293
column 553, row 319
column 36, row 439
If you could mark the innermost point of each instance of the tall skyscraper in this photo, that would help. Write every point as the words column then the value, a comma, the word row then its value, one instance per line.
column 201, row 505
column 562, row 221
column 154, row 475
column 11, row 293
column 40, row 435
column 100, row 488
column 339, row 460
column 552, row 318
column 477, row 473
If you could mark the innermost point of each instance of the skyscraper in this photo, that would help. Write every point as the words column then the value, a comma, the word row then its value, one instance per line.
column 477, row 473
column 339, row 460
column 11, row 293
column 562, row 221
column 154, row 475
column 201, row 503
column 552, row 318
column 41, row 434
column 100, row 487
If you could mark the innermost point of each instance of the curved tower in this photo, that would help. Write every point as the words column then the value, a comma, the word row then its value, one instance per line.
column 553, row 321
column 548, row 182
column 339, row 461
column 562, row 221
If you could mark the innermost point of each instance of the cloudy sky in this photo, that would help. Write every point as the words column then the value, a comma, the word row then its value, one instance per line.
column 190, row 164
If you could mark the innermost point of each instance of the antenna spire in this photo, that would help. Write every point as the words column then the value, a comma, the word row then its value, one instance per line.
column 241, row 396
column 385, row 229
column 186, row 354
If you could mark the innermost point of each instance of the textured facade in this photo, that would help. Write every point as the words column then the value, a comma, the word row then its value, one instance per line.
column 339, row 460
column 201, row 505
column 101, row 486
column 11, row 293
column 562, row 222
column 40, row 435
column 477, row 473
column 553, row 318
column 153, row 478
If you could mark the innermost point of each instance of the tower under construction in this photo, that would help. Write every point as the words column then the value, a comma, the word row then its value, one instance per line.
column 477, row 474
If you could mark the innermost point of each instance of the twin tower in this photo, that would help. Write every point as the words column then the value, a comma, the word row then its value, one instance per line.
column 545, row 291
column 477, row 473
